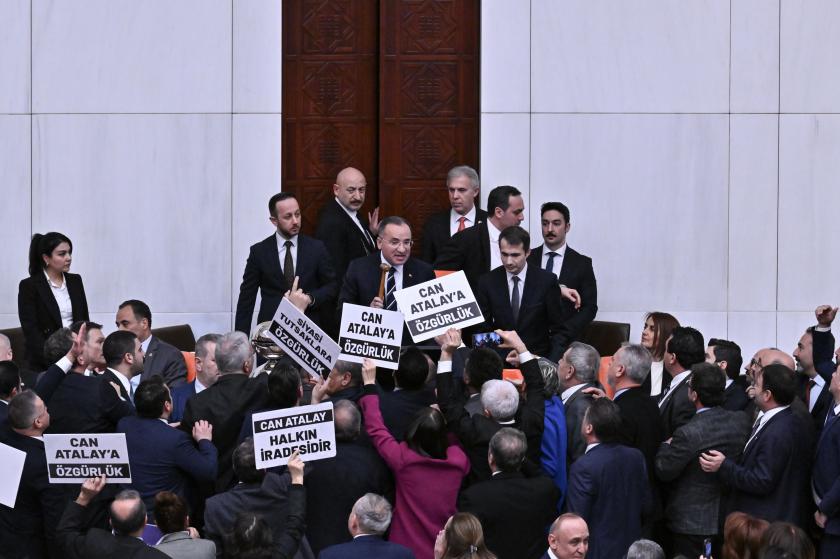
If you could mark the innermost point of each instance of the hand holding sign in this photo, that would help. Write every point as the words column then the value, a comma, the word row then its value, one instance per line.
column 90, row 489
column 296, row 467
column 368, row 372
column 449, row 341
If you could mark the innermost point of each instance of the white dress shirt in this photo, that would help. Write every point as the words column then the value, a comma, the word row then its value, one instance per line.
column 558, row 260
column 454, row 218
column 674, row 384
column 281, row 250
column 656, row 369
column 199, row 388
column 569, row 392
column 62, row 297
column 763, row 418
column 495, row 254
column 816, row 390
column 521, row 276
column 126, row 383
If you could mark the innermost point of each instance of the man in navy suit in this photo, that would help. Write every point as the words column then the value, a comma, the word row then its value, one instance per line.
column 274, row 263
column 683, row 349
column 608, row 485
column 368, row 522
column 771, row 479
column 568, row 538
column 812, row 387
column 571, row 268
column 826, row 476
column 516, row 296
column 727, row 356
column 160, row 358
column 206, row 374
column 164, row 458
column 9, row 386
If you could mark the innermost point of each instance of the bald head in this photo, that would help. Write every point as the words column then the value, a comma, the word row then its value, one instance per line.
column 349, row 188
column 569, row 537
column 5, row 348
column 772, row 356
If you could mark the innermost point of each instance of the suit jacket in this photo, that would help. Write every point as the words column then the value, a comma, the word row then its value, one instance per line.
column 608, row 488
column 264, row 272
column 280, row 503
column 4, row 411
column 96, row 542
column 824, row 354
column 826, row 476
column 575, row 273
column 640, row 424
column 664, row 384
column 469, row 251
column 365, row 547
column 341, row 235
column 180, row 394
column 182, row 546
column 735, row 396
column 28, row 530
column 694, row 501
column 166, row 361
column 334, row 485
column 163, row 458
column 576, row 407
column 771, row 479
column 39, row 314
column 436, row 232
column 400, row 406
column 224, row 405
column 514, row 512
column 675, row 409
column 539, row 321
column 825, row 401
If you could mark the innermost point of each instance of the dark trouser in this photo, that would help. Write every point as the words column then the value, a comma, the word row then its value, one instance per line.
column 689, row 545
column 829, row 546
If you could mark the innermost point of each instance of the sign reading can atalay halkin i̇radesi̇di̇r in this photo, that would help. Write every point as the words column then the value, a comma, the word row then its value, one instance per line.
column 307, row 429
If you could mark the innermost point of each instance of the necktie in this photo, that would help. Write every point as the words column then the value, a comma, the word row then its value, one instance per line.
column 461, row 225
column 390, row 286
column 368, row 240
column 288, row 265
column 755, row 427
column 514, row 299
column 549, row 265
column 811, row 384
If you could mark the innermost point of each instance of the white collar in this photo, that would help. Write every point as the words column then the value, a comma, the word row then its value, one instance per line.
column 819, row 381
column 561, row 252
column 590, row 446
column 837, row 409
column 281, row 240
column 520, row 275
column 455, row 216
column 619, row 393
column 493, row 232
column 768, row 415
column 144, row 345
column 124, row 380
column 679, row 378
column 397, row 267
column 198, row 386
column 54, row 286
column 570, row 391
column 550, row 554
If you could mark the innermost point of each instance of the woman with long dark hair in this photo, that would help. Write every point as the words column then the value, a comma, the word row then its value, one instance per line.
column 428, row 467
column 51, row 297
column 655, row 333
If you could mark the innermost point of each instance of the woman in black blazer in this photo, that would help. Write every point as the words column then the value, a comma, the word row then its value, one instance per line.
column 51, row 297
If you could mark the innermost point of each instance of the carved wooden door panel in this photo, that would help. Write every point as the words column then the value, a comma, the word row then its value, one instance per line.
column 390, row 87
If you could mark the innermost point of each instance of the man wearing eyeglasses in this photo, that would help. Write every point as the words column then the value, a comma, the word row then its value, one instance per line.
column 361, row 282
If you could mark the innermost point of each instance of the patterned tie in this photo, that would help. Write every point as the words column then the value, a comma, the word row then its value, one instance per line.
column 514, row 299
column 288, row 265
column 461, row 225
column 549, row 265
column 390, row 286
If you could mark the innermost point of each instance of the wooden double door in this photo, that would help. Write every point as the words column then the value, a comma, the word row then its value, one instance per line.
column 389, row 87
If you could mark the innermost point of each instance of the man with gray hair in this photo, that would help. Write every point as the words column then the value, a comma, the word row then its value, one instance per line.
column 645, row 549
column 225, row 403
column 206, row 375
column 513, row 509
column 462, row 184
column 577, row 371
column 6, row 353
column 368, row 522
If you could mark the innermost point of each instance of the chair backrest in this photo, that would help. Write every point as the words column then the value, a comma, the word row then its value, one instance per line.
column 606, row 337
column 18, row 343
column 189, row 359
column 602, row 376
column 181, row 336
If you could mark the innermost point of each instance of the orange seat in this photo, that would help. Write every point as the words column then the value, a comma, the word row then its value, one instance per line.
column 513, row 375
column 602, row 376
column 189, row 359
column 441, row 273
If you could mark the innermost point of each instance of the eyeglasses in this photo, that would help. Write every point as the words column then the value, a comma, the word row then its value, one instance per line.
column 396, row 243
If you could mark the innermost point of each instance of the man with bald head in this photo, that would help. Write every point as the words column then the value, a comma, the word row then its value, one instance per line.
column 568, row 538
column 347, row 234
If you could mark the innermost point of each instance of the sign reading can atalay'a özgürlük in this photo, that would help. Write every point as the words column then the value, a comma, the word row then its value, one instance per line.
column 432, row 307
column 375, row 334
column 303, row 340
column 307, row 429
column 74, row 458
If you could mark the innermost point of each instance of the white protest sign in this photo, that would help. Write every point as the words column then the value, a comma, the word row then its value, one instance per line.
column 372, row 333
column 302, row 340
column 11, row 470
column 308, row 429
column 74, row 458
column 432, row 307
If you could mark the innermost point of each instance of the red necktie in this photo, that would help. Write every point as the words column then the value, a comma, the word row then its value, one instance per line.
column 461, row 225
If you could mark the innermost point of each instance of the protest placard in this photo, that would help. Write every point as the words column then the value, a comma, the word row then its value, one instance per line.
column 74, row 458
column 432, row 307
column 279, row 433
column 11, row 469
column 370, row 333
column 303, row 340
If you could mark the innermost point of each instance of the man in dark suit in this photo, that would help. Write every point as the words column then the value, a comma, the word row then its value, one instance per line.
column 369, row 520
column 225, row 404
column 812, row 388
column 577, row 371
column 694, row 499
column 274, row 263
column 128, row 519
column 28, row 529
column 568, row 538
column 163, row 458
column 206, row 375
column 361, row 283
column 683, row 349
column 476, row 250
column 771, row 479
column 161, row 358
column 346, row 234
column 608, row 485
column 343, row 383
column 513, row 509
column 516, row 296
column 462, row 185
column 410, row 394
column 571, row 268
column 826, row 476
column 727, row 356
column 9, row 386
column 825, row 358
column 334, row 484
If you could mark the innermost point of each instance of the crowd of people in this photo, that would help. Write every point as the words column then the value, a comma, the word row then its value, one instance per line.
column 667, row 448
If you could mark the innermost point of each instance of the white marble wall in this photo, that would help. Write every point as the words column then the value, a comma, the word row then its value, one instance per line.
column 696, row 142
column 699, row 159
